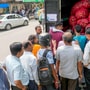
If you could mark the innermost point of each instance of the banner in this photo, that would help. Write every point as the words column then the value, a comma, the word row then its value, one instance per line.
column 4, row 5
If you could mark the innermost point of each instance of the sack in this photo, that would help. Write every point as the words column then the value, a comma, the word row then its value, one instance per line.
column 44, row 70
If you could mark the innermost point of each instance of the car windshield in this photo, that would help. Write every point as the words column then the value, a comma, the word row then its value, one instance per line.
column 1, row 17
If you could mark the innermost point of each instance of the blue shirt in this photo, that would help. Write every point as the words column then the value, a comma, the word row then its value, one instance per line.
column 49, row 55
column 15, row 70
column 81, row 40
column 4, row 84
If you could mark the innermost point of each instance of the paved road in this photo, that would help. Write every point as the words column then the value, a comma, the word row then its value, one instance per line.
column 17, row 34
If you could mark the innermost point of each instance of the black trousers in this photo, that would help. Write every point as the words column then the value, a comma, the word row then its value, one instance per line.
column 32, row 85
column 68, row 84
column 48, row 87
column 87, row 77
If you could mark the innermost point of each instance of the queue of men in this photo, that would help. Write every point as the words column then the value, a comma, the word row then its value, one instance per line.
column 68, row 58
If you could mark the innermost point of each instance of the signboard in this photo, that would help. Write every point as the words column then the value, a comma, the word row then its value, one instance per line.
column 4, row 5
column 51, row 17
column 33, row 0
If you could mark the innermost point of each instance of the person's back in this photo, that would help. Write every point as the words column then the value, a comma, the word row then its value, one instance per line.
column 29, row 63
column 68, row 61
column 80, row 38
column 56, row 33
column 18, row 77
column 4, row 83
column 36, row 48
column 44, row 42
column 12, row 63
column 86, row 60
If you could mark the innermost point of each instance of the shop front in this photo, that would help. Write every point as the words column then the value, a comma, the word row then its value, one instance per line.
column 4, row 8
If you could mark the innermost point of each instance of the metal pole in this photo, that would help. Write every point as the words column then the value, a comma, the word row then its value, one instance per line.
column 60, row 10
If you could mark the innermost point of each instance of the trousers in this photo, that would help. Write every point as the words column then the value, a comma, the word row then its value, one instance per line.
column 68, row 84
column 87, row 77
column 32, row 85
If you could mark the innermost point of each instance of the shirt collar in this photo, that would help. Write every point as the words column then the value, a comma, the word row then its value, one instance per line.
column 56, row 30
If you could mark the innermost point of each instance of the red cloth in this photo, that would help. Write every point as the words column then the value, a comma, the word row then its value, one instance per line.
column 82, row 13
column 80, row 4
column 72, row 20
column 82, row 22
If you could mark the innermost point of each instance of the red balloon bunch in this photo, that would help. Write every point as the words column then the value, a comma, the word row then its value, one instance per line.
column 80, row 14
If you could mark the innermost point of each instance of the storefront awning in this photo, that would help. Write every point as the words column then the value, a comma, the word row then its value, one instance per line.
column 4, row 5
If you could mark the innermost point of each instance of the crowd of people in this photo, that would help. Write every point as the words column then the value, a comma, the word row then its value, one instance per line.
column 68, row 57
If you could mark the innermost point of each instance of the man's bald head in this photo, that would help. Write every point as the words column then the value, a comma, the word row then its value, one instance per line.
column 67, row 37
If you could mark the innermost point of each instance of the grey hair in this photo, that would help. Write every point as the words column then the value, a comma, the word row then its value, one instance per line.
column 67, row 36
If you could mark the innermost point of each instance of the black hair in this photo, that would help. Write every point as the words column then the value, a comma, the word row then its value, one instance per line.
column 15, row 48
column 58, row 23
column 25, row 44
column 32, row 38
column 78, row 28
column 44, row 40
column 71, row 31
column 87, row 31
column 37, row 27
column 87, row 28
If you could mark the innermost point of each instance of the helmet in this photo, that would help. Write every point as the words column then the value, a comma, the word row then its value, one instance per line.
column 44, row 39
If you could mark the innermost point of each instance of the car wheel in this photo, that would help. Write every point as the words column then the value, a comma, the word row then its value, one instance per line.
column 25, row 23
column 8, row 27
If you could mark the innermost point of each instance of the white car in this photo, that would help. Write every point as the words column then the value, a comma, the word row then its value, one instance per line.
column 7, row 21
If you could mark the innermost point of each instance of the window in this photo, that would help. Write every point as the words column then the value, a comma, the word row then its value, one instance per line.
column 11, row 17
column 1, row 17
column 18, row 16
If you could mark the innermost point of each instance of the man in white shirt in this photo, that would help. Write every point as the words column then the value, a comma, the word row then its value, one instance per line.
column 86, row 60
column 68, row 63
column 18, row 77
column 29, row 63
